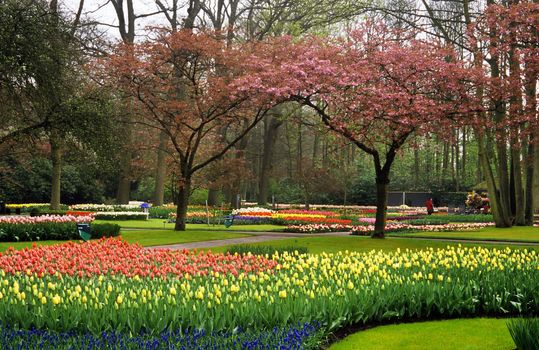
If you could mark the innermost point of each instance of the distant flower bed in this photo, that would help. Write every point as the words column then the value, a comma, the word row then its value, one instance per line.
column 105, row 207
column 252, row 211
column 362, row 230
column 45, row 219
column 27, row 205
column 317, row 228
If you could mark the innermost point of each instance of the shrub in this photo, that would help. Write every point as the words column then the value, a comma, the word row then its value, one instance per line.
column 51, row 212
column 265, row 249
column 161, row 212
column 38, row 232
column 121, row 215
column 445, row 219
column 104, row 230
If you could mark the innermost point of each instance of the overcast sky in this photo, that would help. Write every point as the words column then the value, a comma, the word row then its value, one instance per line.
column 103, row 11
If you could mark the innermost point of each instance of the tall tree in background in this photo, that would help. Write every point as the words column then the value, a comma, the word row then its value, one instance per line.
column 194, row 120
column 377, row 89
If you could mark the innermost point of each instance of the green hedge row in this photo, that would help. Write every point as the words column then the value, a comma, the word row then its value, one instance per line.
column 123, row 216
column 52, row 231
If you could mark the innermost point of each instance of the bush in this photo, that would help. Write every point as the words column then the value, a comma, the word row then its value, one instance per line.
column 161, row 212
column 104, row 230
column 525, row 333
column 51, row 212
column 265, row 249
column 445, row 219
column 128, row 215
column 38, row 232
column 53, row 231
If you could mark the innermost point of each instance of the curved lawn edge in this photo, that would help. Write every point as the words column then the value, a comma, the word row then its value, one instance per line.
column 467, row 333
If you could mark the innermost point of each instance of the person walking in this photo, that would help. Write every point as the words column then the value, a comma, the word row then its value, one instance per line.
column 430, row 206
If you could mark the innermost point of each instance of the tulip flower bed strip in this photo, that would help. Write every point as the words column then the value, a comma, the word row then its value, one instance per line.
column 129, row 291
column 106, row 207
column 14, row 220
column 318, row 228
column 301, row 336
column 117, row 257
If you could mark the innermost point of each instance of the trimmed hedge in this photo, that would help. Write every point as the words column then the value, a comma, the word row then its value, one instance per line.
column 121, row 216
column 104, row 230
column 52, row 231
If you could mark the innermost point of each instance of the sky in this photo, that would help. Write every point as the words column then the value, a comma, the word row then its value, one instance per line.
column 103, row 11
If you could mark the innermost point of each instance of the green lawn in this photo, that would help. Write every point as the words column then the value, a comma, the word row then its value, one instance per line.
column 334, row 244
column 147, row 238
column 461, row 334
column 163, row 237
column 163, row 224
column 518, row 234
column 21, row 245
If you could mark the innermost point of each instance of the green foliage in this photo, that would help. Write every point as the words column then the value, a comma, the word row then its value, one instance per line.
column 38, row 232
column 265, row 249
column 41, row 212
column 121, row 216
column 104, row 230
column 52, row 231
column 445, row 219
column 161, row 212
column 525, row 333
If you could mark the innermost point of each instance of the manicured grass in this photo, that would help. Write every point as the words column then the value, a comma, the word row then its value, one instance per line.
column 164, row 237
column 163, row 224
column 146, row 238
column 517, row 234
column 21, row 245
column 334, row 244
column 461, row 334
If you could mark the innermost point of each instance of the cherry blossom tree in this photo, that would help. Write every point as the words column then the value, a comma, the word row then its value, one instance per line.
column 376, row 88
column 182, row 82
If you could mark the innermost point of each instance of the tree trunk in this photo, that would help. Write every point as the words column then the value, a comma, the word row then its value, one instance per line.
column 56, row 158
column 499, row 212
column 445, row 162
column 124, row 182
column 161, row 171
column 518, row 187
column 528, row 192
column 416, row 168
column 536, row 178
column 382, row 185
column 464, row 156
column 184, row 191
column 213, row 196
column 270, row 136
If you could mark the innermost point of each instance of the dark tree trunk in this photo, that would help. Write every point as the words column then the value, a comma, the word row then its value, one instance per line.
column 382, row 184
column 124, row 183
column 184, row 191
column 213, row 196
column 528, row 192
column 56, row 158
column 161, row 171
column 270, row 136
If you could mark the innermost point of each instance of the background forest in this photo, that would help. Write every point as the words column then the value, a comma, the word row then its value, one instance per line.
column 69, row 139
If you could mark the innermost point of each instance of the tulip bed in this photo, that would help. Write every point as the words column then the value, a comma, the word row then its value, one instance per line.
column 109, row 285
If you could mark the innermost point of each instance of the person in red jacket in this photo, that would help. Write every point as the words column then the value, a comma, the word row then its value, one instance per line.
column 430, row 206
